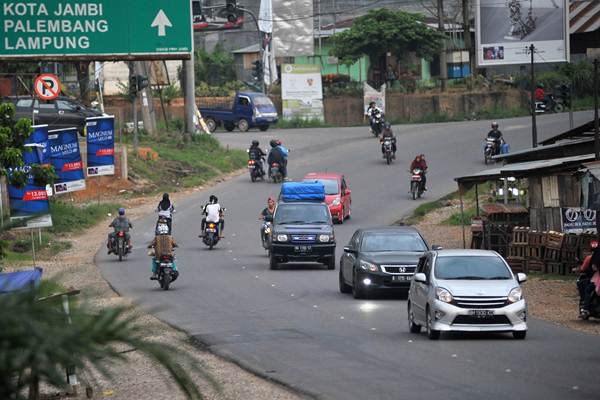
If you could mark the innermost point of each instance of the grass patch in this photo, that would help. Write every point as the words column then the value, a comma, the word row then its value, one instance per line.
column 186, row 165
column 493, row 113
column 550, row 277
column 69, row 218
column 19, row 249
column 421, row 211
column 456, row 220
column 300, row 123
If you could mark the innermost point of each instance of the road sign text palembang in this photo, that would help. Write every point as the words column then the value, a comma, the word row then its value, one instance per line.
column 95, row 29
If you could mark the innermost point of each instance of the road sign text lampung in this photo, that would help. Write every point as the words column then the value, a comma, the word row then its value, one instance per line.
column 106, row 28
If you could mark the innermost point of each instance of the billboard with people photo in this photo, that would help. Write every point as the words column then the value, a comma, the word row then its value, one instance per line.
column 505, row 29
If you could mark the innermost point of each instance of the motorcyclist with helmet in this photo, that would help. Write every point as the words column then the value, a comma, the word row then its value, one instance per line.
column 387, row 133
column 165, row 211
column 257, row 154
column 496, row 135
column 163, row 245
column 420, row 163
column 589, row 289
column 277, row 154
column 372, row 110
column 213, row 213
column 120, row 223
column 585, row 269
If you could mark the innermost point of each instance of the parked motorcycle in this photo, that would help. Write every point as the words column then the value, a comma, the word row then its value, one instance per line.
column 416, row 183
column 378, row 121
column 388, row 150
column 119, row 245
column 276, row 174
column 165, row 271
column 595, row 306
column 265, row 232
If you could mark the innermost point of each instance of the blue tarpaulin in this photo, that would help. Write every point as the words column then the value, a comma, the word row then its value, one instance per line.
column 19, row 280
column 301, row 191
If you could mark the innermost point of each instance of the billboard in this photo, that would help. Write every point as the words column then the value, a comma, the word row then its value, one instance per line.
column 302, row 91
column 578, row 220
column 505, row 30
column 66, row 159
column 100, row 145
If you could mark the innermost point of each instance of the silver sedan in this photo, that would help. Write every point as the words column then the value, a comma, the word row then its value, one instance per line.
column 468, row 291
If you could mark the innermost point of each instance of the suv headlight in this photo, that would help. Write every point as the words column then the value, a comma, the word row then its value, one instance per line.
column 282, row 238
column 324, row 238
column 515, row 295
column 443, row 295
column 367, row 266
column 336, row 201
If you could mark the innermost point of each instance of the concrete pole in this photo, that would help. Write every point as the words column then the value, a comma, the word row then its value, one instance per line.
column 467, row 33
column 190, row 94
column 533, row 121
column 443, row 65
column 145, row 95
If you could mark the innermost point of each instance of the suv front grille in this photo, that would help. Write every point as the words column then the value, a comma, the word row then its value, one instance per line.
column 472, row 320
column 399, row 269
column 304, row 238
column 479, row 302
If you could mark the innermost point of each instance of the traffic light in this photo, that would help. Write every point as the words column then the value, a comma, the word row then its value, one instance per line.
column 142, row 82
column 132, row 86
column 257, row 70
column 231, row 12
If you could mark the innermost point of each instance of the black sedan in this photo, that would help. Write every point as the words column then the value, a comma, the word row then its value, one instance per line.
column 380, row 259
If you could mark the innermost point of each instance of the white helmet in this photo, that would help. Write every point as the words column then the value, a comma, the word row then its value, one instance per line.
column 162, row 229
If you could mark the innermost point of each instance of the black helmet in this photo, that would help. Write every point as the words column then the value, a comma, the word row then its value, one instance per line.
column 273, row 143
column 121, row 211
column 494, row 125
column 213, row 199
column 387, row 125
column 255, row 142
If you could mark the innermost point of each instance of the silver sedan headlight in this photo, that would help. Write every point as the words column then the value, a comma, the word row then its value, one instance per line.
column 443, row 295
column 515, row 295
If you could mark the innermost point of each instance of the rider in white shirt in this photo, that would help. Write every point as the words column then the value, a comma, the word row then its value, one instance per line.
column 213, row 213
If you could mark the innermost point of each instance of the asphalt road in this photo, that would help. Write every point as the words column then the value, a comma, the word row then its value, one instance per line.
column 294, row 326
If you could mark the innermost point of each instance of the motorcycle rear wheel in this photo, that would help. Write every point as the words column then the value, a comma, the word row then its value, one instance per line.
column 165, row 281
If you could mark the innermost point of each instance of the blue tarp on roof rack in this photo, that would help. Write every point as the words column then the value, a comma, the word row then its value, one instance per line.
column 302, row 191
column 19, row 280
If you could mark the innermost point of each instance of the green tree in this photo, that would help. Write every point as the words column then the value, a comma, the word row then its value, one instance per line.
column 13, row 134
column 37, row 344
column 216, row 68
column 381, row 31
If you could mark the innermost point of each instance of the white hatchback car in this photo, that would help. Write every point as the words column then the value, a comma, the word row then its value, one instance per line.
column 466, row 290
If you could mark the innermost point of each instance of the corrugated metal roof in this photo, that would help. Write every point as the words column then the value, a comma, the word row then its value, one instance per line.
column 520, row 168
column 594, row 168
column 584, row 16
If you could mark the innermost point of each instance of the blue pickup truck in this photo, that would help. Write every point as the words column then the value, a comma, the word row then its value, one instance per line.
column 245, row 110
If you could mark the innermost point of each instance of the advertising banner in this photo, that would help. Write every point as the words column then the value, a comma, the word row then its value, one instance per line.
column 66, row 159
column 100, row 145
column 370, row 94
column 505, row 29
column 293, row 36
column 578, row 220
column 302, row 91
column 30, row 202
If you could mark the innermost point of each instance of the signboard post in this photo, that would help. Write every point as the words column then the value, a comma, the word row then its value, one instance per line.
column 504, row 30
column 302, row 91
column 96, row 29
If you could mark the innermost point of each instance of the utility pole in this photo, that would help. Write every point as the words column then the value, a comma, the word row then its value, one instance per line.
column 190, row 94
column 531, row 49
column 133, row 96
column 596, row 129
column 443, row 66
column 146, row 96
column 467, row 32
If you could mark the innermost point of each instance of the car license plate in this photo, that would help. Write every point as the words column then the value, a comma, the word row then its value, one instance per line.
column 400, row 278
column 481, row 313
column 303, row 249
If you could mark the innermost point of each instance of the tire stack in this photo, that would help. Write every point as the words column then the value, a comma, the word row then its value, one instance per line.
column 517, row 249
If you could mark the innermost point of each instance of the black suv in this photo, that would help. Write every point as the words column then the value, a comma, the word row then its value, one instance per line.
column 57, row 114
column 302, row 232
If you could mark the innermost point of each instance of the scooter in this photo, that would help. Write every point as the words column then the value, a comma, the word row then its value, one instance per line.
column 489, row 150
column 416, row 183
column 256, row 172
column 377, row 126
column 276, row 175
column 166, row 273
column 388, row 151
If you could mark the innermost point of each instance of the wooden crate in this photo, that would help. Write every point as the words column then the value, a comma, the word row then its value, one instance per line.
column 554, row 240
column 517, row 251
column 534, row 265
column 535, row 252
column 517, row 265
column 554, row 268
column 570, row 242
column 568, row 257
column 536, row 238
column 520, row 235
column 551, row 254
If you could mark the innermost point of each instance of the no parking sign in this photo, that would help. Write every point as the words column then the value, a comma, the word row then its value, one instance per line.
column 47, row 86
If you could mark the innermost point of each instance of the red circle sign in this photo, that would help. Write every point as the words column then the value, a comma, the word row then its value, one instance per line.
column 47, row 86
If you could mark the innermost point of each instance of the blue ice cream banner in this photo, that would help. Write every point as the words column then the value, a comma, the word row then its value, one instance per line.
column 31, row 200
column 100, row 145
column 65, row 156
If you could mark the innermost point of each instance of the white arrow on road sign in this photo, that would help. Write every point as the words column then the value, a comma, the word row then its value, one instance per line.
column 161, row 20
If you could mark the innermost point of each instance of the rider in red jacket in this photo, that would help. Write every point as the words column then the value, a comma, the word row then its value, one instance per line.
column 419, row 162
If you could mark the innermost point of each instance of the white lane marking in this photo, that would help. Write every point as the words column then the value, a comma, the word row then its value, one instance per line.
column 256, row 277
column 373, row 329
column 514, row 127
column 410, row 341
column 341, row 317
column 292, row 295
column 454, row 356
column 235, row 259
column 272, row 285
column 244, row 267
column 575, row 388
column 315, row 306
column 231, row 251
column 507, row 370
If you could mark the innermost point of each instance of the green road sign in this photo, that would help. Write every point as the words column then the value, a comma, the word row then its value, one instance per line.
column 95, row 29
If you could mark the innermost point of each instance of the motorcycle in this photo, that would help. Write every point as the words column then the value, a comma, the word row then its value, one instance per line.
column 388, row 152
column 161, row 223
column 489, row 150
column 276, row 174
column 255, row 170
column 416, row 183
column 595, row 305
column 377, row 126
column 119, row 245
column 265, row 232
column 166, row 273
column 552, row 104
column 211, row 234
